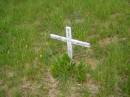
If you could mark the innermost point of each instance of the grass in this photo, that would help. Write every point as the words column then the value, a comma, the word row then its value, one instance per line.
column 64, row 68
column 29, row 58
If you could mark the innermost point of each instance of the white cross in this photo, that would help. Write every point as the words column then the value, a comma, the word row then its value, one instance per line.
column 69, row 41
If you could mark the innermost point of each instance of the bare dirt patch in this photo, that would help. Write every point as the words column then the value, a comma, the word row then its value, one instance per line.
column 92, row 62
column 92, row 86
column 52, row 85
column 75, row 91
column 31, row 87
column 106, row 41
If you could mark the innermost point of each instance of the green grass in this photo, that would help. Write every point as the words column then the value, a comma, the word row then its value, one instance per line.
column 28, row 56
column 64, row 69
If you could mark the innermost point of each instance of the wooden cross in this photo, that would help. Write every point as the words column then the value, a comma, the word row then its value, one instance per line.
column 69, row 41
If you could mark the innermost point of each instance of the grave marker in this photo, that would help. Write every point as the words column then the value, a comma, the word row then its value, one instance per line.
column 70, row 41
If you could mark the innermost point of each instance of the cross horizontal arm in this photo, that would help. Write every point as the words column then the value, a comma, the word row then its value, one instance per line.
column 76, row 42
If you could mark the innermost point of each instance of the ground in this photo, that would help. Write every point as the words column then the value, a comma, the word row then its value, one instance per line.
column 27, row 53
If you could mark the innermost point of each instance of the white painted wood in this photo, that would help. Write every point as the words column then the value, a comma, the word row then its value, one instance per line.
column 70, row 41
column 69, row 45
column 61, row 38
column 75, row 42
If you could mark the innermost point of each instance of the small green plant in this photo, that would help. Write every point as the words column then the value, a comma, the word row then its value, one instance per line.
column 81, row 70
column 64, row 68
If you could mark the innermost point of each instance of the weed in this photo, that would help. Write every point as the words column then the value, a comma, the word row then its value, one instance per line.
column 64, row 68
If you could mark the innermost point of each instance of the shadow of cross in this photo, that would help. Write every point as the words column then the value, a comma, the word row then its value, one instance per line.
column 70, row 41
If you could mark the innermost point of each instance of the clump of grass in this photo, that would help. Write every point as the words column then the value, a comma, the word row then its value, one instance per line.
column 81, row 71
column 61, row 67
column 64, row 68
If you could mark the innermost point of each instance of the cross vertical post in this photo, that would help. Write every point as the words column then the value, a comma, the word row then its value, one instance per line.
column 69, row 44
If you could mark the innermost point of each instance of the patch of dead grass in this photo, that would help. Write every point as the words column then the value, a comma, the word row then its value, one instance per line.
column 92, row 86
column 108, row 40
column 52, row 85
column 92, row 62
